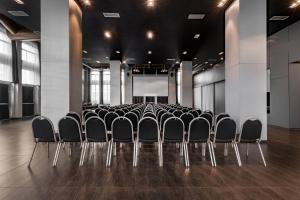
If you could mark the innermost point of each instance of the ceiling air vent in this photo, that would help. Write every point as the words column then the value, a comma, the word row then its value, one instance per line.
column 18, row 13
column 111, row 15
column 279, row 18
column 196, row 16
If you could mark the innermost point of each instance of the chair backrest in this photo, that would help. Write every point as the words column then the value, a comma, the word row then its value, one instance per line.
column 221, row 116
column 209, row 118
column 199, row 130
column 186, row 118
column 199, row 112
column 148, row 130
column 102, row 113
column 164, row 117
column 122, row 130
column 137, row 113
column 177, row 113
column 149, row 114
column 89, row 114
column 173, row 130
column 109, row 118
column 134, row 120
column 120, row 112
column 95, row 130
column 159, row 114
column 75, row 116
column 43, row 129
column 210, row 112
column 251, row 130
column 69, row 130
column 225, row 130
column 194, row 113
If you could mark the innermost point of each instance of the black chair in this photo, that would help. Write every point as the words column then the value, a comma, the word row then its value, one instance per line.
column 95, row 130
column 149, row 114
column 137, row 113
column 90, row 114
column 221, row 116
column 209, row 118
column 159, row 114
column 186, row 118
column 134, row 120
column 194, row 113
column 199, row 112
column 70, row 132
column 199, row 132
column 177, row 113
column 226, row 134
column 122, row 132
column 102, row 113
column 163, row 118
column 75, row 116
column 120, row 112
column 209, row 112
column 43, row 131
column 109, row 118
column 173, row 132
column 148, row 132
column 251, row 133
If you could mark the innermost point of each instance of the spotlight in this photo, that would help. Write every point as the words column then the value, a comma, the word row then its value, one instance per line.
column 150, row 35
column 107, row 34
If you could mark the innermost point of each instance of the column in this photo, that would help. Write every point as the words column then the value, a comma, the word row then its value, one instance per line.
column 128, row 85
column 172, row 87
column 115, row 82
column 186, row 88
column 245, row 61
column 61, row 58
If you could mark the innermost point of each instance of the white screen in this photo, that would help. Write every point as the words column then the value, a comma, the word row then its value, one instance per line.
column 150, row 86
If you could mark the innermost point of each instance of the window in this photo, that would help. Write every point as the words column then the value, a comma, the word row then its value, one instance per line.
column 123, row 86
column 30, row 63
column 106, row 86
column 178, row 86
column 5, row 56
column 95, row 87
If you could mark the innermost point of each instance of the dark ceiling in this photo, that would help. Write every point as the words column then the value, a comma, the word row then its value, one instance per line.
column 168, row 20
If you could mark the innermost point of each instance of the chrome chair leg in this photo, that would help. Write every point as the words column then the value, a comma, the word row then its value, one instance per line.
column 56, row 154
column 236, row 150
column 187, row 160
column 181, row 149
column 213, row 153
column 226, row 149
column 81, row 154
column 115, row 149
column 262, row 155
column 108, row 153
column 85, row 146
column 32, row 154
column 134, row 153
column 203, row 149
column 210, row 155
column 247, row 149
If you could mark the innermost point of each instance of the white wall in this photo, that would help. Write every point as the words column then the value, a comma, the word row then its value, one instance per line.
column 150, row 85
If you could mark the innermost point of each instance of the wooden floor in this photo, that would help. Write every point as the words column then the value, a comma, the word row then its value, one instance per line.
column 280, row 180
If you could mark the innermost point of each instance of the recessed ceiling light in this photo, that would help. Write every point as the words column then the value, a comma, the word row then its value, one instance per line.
column 18, row 13
column 295, row 4
column 195, row 58
column 184, row 53
column 149, row 62
column 111, row 15
column 86, row 2
column 197, row 36
column 124, row 62
column 177, row 62
column 149, row 52
column 279, row 18
column 222, row 58
column 196, row 16
column 150, row 3
column 150, row 35
column 118, row 52
column 107, row 34
column 222, row 3
column 221, row 53
column 19, row 1
column 98, row 61
column 107, row 57
column 84, row 51
column 206, row 62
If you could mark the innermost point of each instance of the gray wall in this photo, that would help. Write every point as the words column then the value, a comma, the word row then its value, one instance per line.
column 284, row 50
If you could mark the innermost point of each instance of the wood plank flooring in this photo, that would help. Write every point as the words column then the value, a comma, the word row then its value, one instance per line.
column 280, row 180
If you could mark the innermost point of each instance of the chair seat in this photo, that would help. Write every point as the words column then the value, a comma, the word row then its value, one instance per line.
column 56, row 135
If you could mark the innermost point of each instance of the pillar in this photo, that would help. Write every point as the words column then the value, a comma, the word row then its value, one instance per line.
column 128, row 85
column 61, row 58
column 186, row 87
column 115, row 82
column 245, row 61
column 172, row 87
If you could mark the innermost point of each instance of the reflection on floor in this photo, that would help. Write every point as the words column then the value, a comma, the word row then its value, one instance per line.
column 280, row 180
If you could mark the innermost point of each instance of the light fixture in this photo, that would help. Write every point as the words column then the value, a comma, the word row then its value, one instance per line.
column 221, row 53
column 197, row 36
column 150, row 3
column 279, row 18
column 107, row 34
column 222, row 58
column 18, row 13
column 177, row 62
column 222, row 3
column 19, row 2
column 149, row 62
column 84, row 51
column 206, row 63
column 118, row 52
column 107, row 57
column 295, row 4
column 111, row 15
column 184, row 53
column 86, row 2
column 195, row 58
column 149, row 52
column 150, row 35
column 98, row 61
column 196, row 16
column 124, row 62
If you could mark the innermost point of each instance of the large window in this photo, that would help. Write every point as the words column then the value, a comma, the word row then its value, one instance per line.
column 5, row 56
column 30, row 63
column 106, row 86
column 95, row 87
column 178, row 80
